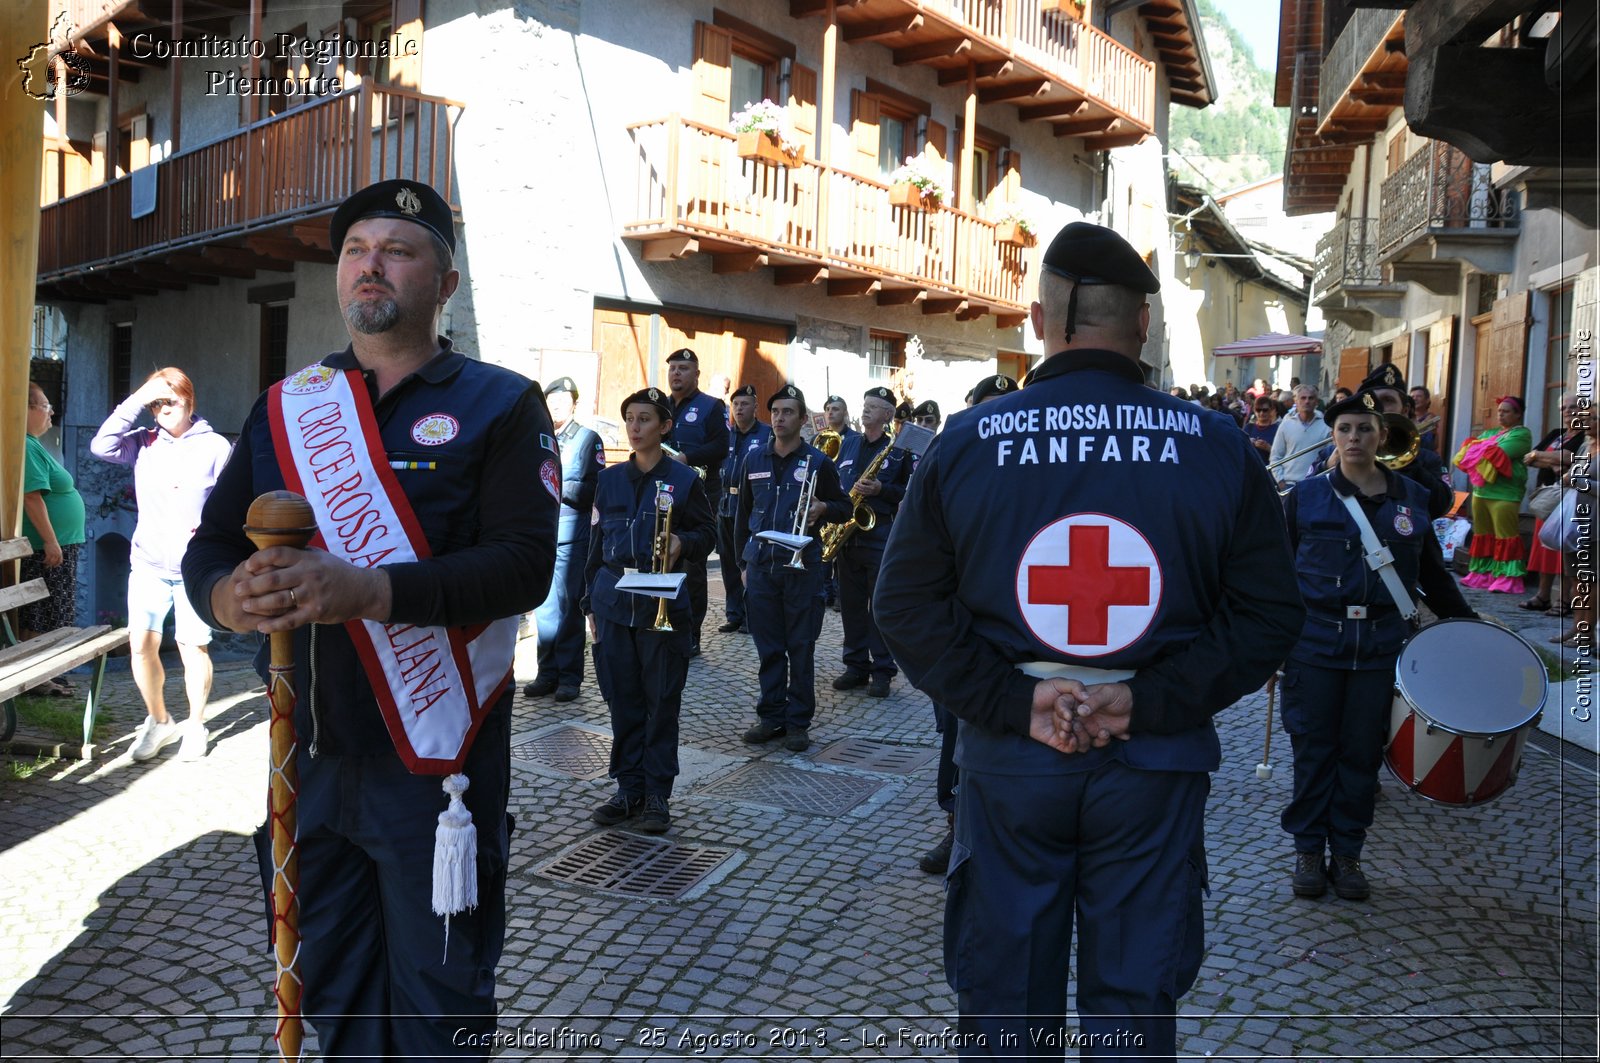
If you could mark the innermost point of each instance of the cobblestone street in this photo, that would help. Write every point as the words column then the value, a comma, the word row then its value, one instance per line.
column 784, row 915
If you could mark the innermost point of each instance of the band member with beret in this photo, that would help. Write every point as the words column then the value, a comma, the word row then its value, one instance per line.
column 1085, row 572
column 559, row 621
column 699, row 440
column 1388, row 388
column 746, row 434
column 417, row 462
column 837, row 412
column 1338, row 681
column 642, row 668
column 785, row 601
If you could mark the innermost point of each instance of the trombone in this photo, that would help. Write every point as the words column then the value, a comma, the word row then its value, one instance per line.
column 1400, row 449
column 661, row 556
column 801, row 509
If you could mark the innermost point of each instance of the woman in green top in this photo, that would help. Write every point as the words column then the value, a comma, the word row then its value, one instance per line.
column 52, row 519
column 1493, row 462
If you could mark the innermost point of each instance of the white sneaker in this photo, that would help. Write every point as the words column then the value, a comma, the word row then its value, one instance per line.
column 194, row 741
column 154, row 737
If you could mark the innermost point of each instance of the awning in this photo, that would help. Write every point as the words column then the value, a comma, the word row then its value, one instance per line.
column 1271, row 343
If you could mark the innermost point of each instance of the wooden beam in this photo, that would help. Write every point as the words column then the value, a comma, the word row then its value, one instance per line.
column 1378, row 97
column 1008, row 321
column 1383, row 79
column 807, row 8
column 792, row 275
column 900, row 296
column 1120, row 140
column 286, row 248
column 668, row 248
column 921, row 53
column 119, row 283
column 1015, row 90
column 853, row 285
column 1085, row 127
column 191, row 262
column 313, row 234
column 971, row 313
column 997, row 68
column 152, row 273
column 166, row 268
column 738, row 262
column 243, row 257
column 881, row 27
column 1337, row 124
column 943, row 306
column 1035, row 112
column 74, row 290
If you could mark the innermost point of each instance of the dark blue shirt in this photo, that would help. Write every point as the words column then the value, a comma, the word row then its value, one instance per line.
column 855, row 455
column 739, row 445
column 769, row 493
column 700, row 432
column 626, row 501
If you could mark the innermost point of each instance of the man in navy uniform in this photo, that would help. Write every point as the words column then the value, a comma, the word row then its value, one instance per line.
column 785, row 602
column 867, row 660
column 747, row 434
column 396, row 423
column 700, row 439
column 837, row 412
column 1085, row 572
column 559, row 622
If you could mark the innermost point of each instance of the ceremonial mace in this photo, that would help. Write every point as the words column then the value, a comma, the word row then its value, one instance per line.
column 1264, row 769
column 283, row 518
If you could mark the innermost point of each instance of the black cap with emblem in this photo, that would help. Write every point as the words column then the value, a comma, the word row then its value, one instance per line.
column 1360, row 402
column 683, row 354
column 562, row 383
column 926, row 408
column 992, row 387
column 788, row 391
column 1386, row 375
column 410, row 201
column 650, row 397
column 881, row 393
column 1086, row 254
column 746, row 392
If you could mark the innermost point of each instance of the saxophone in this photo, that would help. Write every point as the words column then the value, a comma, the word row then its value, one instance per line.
column 862, row 518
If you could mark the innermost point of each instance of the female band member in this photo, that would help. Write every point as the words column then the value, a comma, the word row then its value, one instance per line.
column 641, row 670
column 1338, row 682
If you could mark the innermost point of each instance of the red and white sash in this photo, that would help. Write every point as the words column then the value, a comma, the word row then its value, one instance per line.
column 325, row 437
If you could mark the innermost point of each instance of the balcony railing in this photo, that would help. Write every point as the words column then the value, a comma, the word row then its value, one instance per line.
column 1440, row 188
column 691, row 181
column 1351, row 51
column 299, row 163
column 1347, row 256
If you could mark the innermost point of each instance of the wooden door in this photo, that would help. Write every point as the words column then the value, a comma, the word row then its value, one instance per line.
column 1441, row 346
column 1353, row 367
column 1502, row 360
column 623, row 339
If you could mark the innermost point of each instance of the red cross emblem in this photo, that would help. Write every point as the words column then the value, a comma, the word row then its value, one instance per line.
column 1088, row 584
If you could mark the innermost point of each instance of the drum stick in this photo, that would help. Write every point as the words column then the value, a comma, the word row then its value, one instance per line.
column 1264, row 769
column 283, row 518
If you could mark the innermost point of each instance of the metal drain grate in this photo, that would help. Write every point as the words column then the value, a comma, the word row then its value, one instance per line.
column 569, row 750
column 813, row 792
column 863, row 755
column 634, row 866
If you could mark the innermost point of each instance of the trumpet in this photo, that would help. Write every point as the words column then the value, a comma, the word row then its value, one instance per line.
column 1399, row 449
column 828, row 441
column 661, row 557
column 802, row 508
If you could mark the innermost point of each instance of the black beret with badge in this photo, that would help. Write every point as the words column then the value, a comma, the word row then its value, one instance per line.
column 562, row 383
column 410, row 201
column 926, row 408
column 650, row 397
column 992, row 387
column 1088, row 254
column 1386, row 375
column 746, row 392
column 788, row 391
column 881, row 393
column 833, row 398
column 683, row 354
column 1360, row 402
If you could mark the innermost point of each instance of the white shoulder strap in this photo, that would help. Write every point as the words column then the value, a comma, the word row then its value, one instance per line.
column 1379, row 558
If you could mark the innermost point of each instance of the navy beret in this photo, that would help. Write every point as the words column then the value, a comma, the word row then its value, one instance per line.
column 683, row 354
column 408, row 200
column 992, row 386
column 1386, row 375
column 1092, row 254
column 746, row 392
column 882, row 393
column 1360, row 402
column 833, row 398
column 788, row 391
column 651, row 397
column 562, row 383
column 926, row 408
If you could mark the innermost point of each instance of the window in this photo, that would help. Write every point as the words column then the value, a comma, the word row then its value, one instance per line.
column 131, row 151
column 737, row 64
column 274, row 358
column 121, row 362
column 892, row 142
column 886, row 353
column 751, row 81
column 888, row 127
column 1555, row 354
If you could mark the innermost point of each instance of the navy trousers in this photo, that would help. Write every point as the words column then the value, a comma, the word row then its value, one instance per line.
column 644, row 672
column 558, row 619
column 383, row 977
column 732, row 577
column 864, row 649
column 1119, row 849
column 784, row 610
column 1337, row 721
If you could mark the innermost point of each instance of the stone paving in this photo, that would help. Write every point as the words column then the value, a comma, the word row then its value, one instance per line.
column 131, row 927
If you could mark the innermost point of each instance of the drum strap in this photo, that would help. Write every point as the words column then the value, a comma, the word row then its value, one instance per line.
column 1379, row 558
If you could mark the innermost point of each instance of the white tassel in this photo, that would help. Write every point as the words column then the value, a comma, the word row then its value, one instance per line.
column 455, row 857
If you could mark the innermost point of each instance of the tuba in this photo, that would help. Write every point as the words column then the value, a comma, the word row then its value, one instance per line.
column 828, row 441
column 1400, row 449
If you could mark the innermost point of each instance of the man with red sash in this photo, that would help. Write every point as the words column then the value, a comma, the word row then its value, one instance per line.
column 416, row 461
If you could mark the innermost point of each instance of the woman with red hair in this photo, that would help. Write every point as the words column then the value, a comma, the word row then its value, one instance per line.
column 1493, row 462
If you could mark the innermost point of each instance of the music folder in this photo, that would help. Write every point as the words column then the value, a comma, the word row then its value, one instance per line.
column 912, row 438
column 785, row 539
column 652, row 584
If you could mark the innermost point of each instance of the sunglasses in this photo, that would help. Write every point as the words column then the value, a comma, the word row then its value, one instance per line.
column 160, row 404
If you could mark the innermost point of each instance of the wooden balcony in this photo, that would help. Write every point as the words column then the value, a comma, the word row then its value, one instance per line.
column 815, row 224
column 1440, row 211
column 255, row 199
column 1048, row 65
column 1364, row 74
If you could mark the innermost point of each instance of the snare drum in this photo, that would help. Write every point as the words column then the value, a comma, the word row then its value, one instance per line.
column 1467, row 694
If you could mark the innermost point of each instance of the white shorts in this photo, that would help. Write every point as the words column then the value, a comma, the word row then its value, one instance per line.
column 151, row 597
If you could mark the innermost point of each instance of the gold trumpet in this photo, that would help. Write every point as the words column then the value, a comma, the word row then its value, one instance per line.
column 661, row 557
column 1399, row 449
column 828, row 441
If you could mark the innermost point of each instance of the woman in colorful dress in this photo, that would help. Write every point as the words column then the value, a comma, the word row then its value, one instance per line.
column 1493, row 462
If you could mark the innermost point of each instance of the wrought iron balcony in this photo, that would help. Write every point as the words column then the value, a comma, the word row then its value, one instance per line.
column 1347, row 257
column 1438, row 192
column 813, row 223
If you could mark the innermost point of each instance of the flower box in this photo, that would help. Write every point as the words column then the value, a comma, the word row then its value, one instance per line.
column 905, row 194
column 1011, row 232
column 763, row 147
column 1069, row 8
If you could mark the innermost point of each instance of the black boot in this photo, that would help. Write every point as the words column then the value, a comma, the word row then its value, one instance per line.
column 936, row 861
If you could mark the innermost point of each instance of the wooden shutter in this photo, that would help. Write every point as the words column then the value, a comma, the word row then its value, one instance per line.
column 1011, row 182
column 937, row 148
column 713, row 74
column 1500, row 368
column 101, row 161
column 1352, row 367
column 803, row 106
column 406, row 70
column 1441, row 339
column 139, row 142
column 864, row 132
